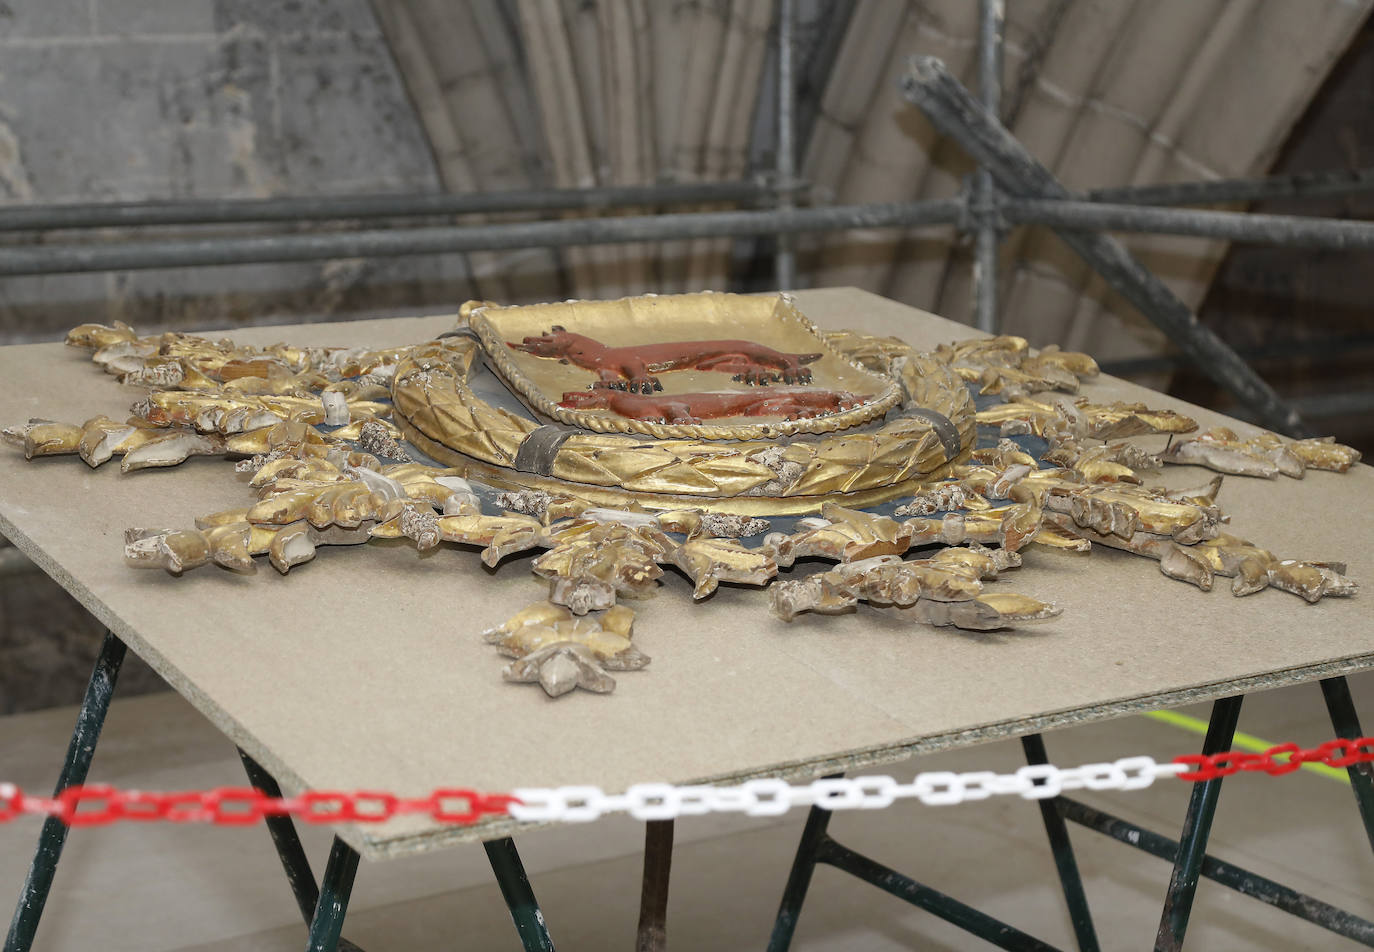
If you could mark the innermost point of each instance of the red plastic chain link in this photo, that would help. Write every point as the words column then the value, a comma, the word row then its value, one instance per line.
column 11, row 802
column 100, row 804
column 478, row 804
column 1334, row 753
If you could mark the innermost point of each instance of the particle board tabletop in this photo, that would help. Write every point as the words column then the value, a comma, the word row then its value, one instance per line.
column 365, row 668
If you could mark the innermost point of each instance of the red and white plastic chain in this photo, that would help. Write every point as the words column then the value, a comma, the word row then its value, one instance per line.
column 98, row 804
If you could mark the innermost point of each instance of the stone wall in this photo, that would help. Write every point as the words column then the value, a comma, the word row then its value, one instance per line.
column 110, row 100
column 105, row 100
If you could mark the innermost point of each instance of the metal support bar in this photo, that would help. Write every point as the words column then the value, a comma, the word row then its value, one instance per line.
column 1067, row 866
column 1197, row 826
column 799, row 880
column 817, row 846
column 346, row 207
column 515, row 888
column 53, row 836
column 1301, row 185
column 959, row 115
column 200, row 252
column 1234, row 877
column 785, row 262
column 1292, row 231
column 986, row 242
column 947, row 908
column 393, row 205
column 288, row 843
column 1336, row 693
column 335, row 891
column 652, row 935
column 289, row 849
column 984, row 189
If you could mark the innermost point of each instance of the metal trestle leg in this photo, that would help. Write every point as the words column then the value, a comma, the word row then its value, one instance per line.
column 80, row 752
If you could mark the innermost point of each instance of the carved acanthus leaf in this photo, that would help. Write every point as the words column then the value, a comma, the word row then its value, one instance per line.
column 562, row 651
column 1264, row 455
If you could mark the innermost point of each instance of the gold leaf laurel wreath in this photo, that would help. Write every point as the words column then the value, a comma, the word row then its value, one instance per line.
column 440, row 414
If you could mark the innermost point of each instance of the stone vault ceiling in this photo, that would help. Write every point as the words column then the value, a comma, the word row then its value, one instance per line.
column 516, row 93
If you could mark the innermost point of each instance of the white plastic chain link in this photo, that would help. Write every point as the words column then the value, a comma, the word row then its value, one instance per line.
column 771, row 797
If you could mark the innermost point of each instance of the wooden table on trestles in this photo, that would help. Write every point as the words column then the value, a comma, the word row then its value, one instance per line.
column 363, row 670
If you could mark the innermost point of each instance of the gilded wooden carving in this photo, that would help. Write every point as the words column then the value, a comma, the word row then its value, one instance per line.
column 719, row 437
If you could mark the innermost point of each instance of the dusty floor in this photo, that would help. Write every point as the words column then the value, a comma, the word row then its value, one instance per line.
column 158, row 887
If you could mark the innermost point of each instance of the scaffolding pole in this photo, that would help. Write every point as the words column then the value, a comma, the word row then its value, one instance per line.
column 1063, row 214
column 1300, row 185
column 324, row 208
column 345, row 207
column 987, row 240
column 257, row 249
column 1289, row 230
column 786, row 259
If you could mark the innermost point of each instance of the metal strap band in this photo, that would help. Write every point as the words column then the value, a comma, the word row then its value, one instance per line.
column 537, row 450
column 463, row 331
column 944, row 428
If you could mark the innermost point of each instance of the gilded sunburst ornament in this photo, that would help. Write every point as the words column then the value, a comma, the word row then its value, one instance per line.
column 722, row 436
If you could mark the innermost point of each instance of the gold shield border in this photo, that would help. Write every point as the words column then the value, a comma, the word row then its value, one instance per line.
column 479, row 314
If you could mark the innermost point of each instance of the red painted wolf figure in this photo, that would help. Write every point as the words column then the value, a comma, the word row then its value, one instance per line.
column 790, row 404
column 632, row 368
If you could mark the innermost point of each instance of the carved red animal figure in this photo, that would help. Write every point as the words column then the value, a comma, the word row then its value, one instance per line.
column 790, row 404
column 633, row 368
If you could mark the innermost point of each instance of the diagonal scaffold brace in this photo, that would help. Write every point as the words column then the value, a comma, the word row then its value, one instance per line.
column 957, row 113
